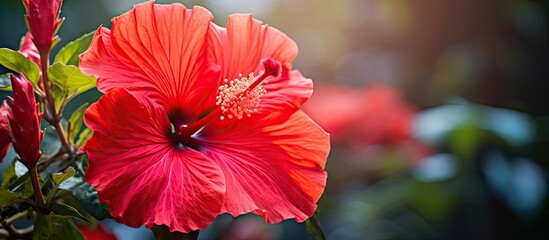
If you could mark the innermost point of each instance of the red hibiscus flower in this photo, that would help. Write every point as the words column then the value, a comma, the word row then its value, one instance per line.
column 43, row 20
column 5, row 130
column 195, row 122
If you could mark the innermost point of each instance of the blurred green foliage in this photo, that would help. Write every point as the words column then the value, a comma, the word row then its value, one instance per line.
column 487, row 175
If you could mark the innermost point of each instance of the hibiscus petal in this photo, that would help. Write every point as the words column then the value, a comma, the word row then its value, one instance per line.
column 140, row 175
column 273, row 170
column 158, row 50
column 240, row 47
column 286, row 93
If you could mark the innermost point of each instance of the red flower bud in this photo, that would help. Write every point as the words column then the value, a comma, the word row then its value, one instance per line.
column 29, row 50
column 25, row 122
column 5, row 130
column 43, row 19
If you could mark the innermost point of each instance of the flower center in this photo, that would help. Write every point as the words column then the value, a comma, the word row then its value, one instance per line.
column 237, row 98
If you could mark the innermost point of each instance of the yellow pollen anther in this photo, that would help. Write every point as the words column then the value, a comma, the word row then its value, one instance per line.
column 236, row 100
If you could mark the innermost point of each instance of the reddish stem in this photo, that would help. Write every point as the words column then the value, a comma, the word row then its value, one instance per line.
column 55, row 117
column 37, row 191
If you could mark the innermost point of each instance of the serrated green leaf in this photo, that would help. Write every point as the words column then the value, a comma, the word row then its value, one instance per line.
column 314, row 228
column 70, row 78
column 5, row 82
column 66, row 210
column 76, row 120
column 9, row 174
column 83, row 137
column 7, row 197
column 49, row 227
column 69, row 53
column 16, row 62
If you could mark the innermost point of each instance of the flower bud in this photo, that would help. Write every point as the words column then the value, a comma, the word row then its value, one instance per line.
column 29, row 50
column 25, row 121
column 5, row 130
column 43, row 20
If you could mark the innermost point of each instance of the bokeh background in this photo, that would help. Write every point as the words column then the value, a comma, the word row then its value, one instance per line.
column 438, row 112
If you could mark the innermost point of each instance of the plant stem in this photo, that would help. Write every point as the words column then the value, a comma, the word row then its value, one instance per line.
column 4, row 234
column 55, row 116
column 59, row 156
column 16, row 217
column 37, row 191
column 12, row 233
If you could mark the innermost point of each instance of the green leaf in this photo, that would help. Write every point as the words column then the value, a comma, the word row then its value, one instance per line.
column 9, row 174
column 83, row 137
column 70, row 78
column 15, row 177
column 19, row 183
column 51, row 143
column 87, row 196
column 70, row 53
column 58, row 178
column 49, row 227
column 28, row 189
column 16, row 62
column 76, row 120
column 314, row 228
column 67, row 198
column 22, row 184
column 85, row 193
column 66, row 210
column 5, row 82
column 7, row 197
column 58, row 96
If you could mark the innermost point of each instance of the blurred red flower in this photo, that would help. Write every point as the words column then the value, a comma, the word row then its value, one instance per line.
column 194, row 122
column 25, row 122
column 43, row 20
column 360, row 117
column 98, row 232
column 5, row 130
column 248, row 228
